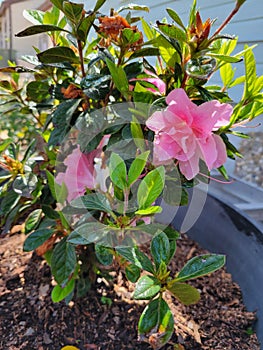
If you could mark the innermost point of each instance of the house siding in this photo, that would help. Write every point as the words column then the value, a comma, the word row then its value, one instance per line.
column 12, row 22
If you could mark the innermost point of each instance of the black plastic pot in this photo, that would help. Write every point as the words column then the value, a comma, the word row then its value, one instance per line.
column 223, row 229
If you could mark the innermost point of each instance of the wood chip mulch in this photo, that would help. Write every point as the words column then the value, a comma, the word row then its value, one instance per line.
column 30, row 320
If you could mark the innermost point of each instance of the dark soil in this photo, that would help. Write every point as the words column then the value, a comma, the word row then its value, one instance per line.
column 29, row 320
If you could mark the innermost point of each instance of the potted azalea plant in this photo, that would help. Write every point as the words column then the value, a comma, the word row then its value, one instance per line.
column 121, row 120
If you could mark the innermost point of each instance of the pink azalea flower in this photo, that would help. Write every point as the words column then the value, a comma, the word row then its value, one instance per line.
column 184, row 132
column 82, row 172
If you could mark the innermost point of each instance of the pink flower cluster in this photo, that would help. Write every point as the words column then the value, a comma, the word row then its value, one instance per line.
column 83, row 172
column 80, row 173
column 185, row 132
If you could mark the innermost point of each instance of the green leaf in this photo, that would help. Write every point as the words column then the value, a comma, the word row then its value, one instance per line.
column 185, row 293
column 58, row 54
column 103, row 254
column 200, row 266
column 150, row 187
column 59, row 293
column 5, row 144
column 37, row 238
column 61, row 192
column 227, row 74
column 136, row 257
column 51, row 183
column 24, row 185
column 119, row 77
column 58, row 4
column 132, row 272
column 172, row 31
column 99, row 4
column 156, row 319
column 160, row 248
column 146, row 51
column 137, row 167
column 93, row 201
column 34, row 16
column 87, row 233
column 38, row 29
column 137, row 135
column 61, row 119
column 85, row 26
column 225, row 58
column 38, row 91
column 33, row 220
column 176, row 18
column 133, row 7
column 250, row 68
column 118, row 171
column 146, row 288
column 149, row 211
column 73, row 11
column 63, row 261
column 130, row 36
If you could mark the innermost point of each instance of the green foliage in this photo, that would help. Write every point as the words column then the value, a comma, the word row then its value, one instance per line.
column 76, row 90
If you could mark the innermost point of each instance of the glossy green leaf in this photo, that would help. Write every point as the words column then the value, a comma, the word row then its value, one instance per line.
column 61, row 119
column 33, row 220
column 73, row 11
column 34, row 16
column 96, row 86
column 137, row 135
column 137, row 167
column 150, row 187
column 160, row 248
column 24, row 185
column 38, row 91
column 201, row 265
column 185, row 293
column 99, row 4
column 58, row 54
column 58, row 3
column 38, row 29
column 58, row 293
column 85, row 26
column 119, row 77
column 250, row 67
column 87, row 233
column 156, row 321
column 149, row 211
column 172, row 31
column 132, row 272
column 61, row 192
column 227, row 74
column 63, row 261
column 51, row 183
column 93, row 201
column 225, row 58
column 103, row 254
column 146, row 288
column 146, row 51
column 37, row 238
column 136, row 257
column 118, row 171
column 129, row 36
column 176, row 18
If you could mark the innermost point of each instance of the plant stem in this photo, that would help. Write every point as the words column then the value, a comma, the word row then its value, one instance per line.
column 227, row 20
column 81, row 58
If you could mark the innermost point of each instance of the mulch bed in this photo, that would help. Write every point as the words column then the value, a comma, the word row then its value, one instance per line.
column 29, row 320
